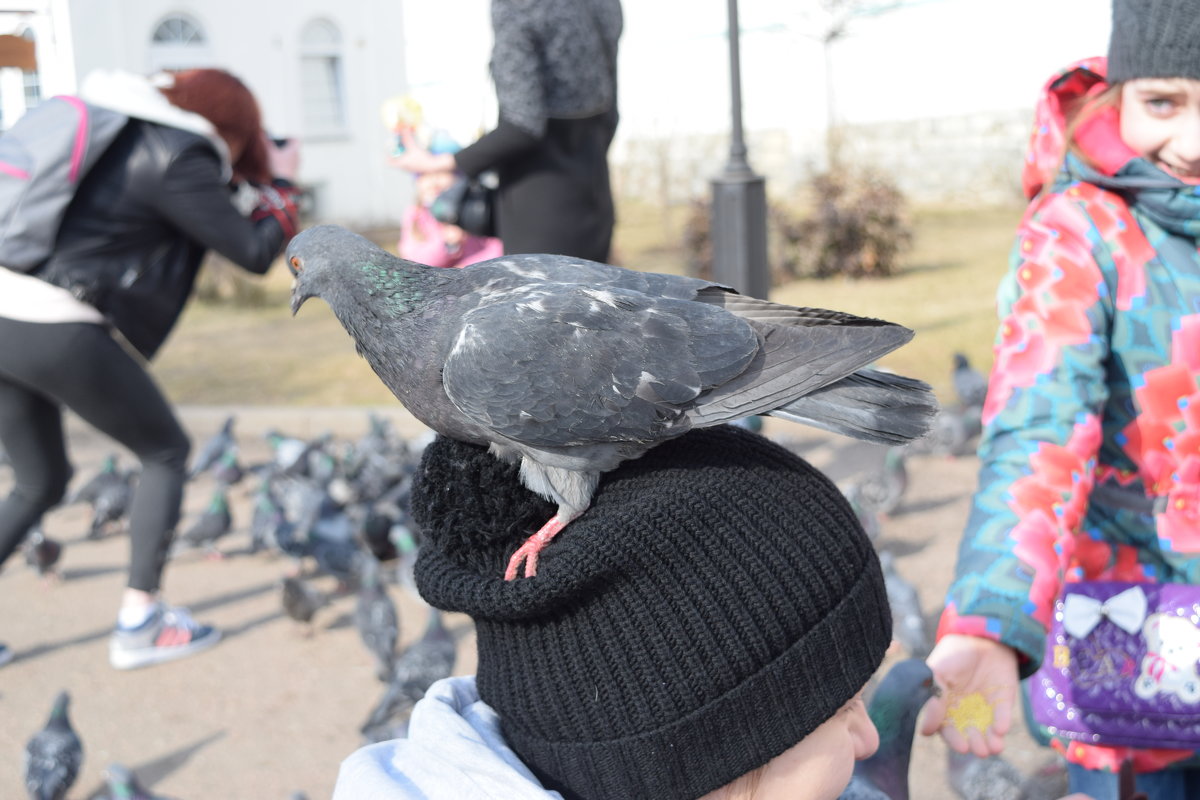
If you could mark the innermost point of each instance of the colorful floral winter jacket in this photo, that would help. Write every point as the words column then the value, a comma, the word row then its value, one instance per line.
column 1090, row 456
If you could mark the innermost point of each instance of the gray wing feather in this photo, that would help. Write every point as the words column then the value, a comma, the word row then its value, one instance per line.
column 561, row 365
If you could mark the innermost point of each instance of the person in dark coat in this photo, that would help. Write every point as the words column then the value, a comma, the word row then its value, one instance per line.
column 124, row 264
column 554, row 68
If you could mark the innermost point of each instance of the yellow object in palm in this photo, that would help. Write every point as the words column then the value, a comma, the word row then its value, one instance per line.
column 971, row 711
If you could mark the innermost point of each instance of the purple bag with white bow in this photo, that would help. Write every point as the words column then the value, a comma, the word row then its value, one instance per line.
column 1121, row 665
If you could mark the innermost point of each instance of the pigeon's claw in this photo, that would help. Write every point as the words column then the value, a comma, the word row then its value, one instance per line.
column 529, row 551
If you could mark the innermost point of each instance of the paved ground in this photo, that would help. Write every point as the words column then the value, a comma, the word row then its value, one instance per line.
column 270, row 711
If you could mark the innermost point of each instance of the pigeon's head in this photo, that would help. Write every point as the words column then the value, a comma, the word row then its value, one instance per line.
column 317, row 256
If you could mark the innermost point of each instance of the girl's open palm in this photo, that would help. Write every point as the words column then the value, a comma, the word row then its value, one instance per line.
column 978, row 681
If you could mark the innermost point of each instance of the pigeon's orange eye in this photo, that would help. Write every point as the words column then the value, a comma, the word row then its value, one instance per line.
column 296, row 263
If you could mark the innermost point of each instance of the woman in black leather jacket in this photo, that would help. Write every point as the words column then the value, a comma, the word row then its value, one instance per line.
column 123, row 267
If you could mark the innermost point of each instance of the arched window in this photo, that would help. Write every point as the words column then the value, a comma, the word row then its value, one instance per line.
column 321, row 80
column 179, row 42
column 179, row 30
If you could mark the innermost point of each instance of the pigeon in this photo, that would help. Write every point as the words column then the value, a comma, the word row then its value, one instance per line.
column 908, row 623
column 213, row 449
column 268, row 518
column 573, row 366
column 376, row 619
column 212, row 523
column 288, row 452
column 881, row 490
column 111, row 503
column 228, row 469
column 970, row 386
column 893, row 708
column 992, row 778
column 952, row 432
column 301, row 601
column 53, row 755
column 41, row 552
column 424, row 662
column 87, row 491
column 123, row 784
column 867, row 517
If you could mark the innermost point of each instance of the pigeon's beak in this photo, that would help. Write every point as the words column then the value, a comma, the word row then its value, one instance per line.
column 298, row 298
column 296, row 266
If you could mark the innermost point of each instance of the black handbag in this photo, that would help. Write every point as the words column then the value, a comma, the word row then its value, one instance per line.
column 469, row 203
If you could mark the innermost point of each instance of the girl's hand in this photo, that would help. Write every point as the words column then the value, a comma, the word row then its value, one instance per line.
column 416, row 159
column 453, row 236
column 978, row 679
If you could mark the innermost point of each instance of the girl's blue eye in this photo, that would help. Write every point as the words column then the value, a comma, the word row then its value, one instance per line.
column 1160, row 105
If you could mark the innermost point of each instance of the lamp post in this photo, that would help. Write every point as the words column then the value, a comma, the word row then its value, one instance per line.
column 739, row 199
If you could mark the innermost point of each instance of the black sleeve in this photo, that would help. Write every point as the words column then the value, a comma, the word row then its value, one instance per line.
column 504, row 143
column 197, row 200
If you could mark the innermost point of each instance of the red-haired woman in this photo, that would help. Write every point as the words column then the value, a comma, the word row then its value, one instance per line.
column 123, row 267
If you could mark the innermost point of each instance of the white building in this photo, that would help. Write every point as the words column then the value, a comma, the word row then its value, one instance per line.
column 322, row 69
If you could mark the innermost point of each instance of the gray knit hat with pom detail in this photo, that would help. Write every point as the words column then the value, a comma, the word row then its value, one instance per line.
column 1154, row 39
column 716, row 604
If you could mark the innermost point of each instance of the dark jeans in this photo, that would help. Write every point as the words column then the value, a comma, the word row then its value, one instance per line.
column 79, row 365
column 1168, row 784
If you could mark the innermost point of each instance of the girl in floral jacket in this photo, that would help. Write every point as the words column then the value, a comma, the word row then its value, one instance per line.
column 1091, row 450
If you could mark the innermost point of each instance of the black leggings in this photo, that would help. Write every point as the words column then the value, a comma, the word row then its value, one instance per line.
column 80, row 366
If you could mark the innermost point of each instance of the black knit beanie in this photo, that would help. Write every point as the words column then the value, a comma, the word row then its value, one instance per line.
column 716, row 604
column 1154, row 39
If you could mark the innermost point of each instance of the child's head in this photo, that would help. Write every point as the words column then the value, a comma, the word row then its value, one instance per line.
column 1154, row 53
column 717, row 609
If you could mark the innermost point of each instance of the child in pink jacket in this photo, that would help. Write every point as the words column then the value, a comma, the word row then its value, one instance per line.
column 425, row 240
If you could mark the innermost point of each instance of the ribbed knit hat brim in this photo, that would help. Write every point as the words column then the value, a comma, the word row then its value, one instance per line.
column 1154, row 39
column 716, row 604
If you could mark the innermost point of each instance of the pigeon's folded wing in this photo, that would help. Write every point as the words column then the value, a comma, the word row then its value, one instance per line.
column 562, row 364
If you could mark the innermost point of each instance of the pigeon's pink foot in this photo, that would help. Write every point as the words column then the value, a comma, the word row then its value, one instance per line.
column 529, row 551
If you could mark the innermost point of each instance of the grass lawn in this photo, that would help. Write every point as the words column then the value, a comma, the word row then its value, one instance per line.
column 220, row 354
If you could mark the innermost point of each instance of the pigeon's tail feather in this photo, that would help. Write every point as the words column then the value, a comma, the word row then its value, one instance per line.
column 870, row 405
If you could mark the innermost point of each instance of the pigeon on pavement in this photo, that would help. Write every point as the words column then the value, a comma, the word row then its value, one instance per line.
column 880, row 490
column 992, row 778
column 970, row 385
column 228, row 469
column 574, row 366
column 53, row 755
column 41, row 552
column 908, row 623
column 212, row 450
column 212, row 523
column 123, row 784
column 86, row 492
column 893, row 708
column 111, row 503
column 301, row 601
column 425, row 661
column 376, row 619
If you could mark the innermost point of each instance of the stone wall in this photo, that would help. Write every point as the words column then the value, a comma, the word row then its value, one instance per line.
column 972, row 160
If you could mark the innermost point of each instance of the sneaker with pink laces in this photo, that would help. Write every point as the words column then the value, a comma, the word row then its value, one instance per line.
column 167, row 634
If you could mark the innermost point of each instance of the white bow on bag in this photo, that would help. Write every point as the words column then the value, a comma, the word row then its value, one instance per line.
column 1126, row 610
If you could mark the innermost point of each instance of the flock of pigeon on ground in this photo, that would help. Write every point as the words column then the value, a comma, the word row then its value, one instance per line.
column 330, row 508
column 341, row 509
